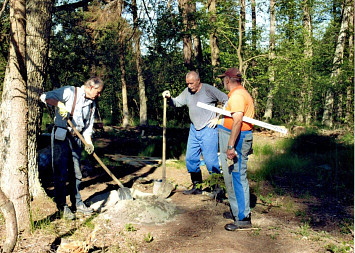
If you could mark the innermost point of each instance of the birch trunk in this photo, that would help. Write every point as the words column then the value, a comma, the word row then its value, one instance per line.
column 328, row 118
column 13, row 120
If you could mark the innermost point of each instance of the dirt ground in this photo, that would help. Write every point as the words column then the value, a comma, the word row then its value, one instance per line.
column 179, row 223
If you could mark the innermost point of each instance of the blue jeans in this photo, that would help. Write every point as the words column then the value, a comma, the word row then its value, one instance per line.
column 66, row 157
column 235, row 176
column 203, row 141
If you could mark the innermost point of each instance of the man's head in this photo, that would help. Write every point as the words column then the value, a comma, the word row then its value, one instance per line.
column 232, row 76
column 93, row 88
column 193, row 81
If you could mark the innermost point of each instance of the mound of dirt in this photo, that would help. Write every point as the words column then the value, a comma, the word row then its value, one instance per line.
column 144, row 210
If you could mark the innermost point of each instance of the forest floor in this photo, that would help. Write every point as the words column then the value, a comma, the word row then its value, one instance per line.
column 181, row 223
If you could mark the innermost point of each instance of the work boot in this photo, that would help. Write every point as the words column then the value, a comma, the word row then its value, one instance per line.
column 82, row 208
column 218, row 193
column 228, row 215
column 67, row 213
column 196, row 178
column 239, row 224
column 193, row 190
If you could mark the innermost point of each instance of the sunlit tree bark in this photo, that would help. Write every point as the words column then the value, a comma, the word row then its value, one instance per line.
column 272, row 87
column 305, row 107
column 143, row 118
column 213, row 37
column 13, row 120
column 185, row 10
column 8, row 211
column 38, row 28
column 328, row 119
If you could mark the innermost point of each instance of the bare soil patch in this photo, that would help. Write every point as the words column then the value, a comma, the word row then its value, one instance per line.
column 180, row 223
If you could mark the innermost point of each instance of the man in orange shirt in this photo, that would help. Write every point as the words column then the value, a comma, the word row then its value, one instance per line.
column 235, row 142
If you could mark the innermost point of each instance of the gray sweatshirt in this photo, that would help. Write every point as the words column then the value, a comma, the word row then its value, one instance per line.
column 207, row 94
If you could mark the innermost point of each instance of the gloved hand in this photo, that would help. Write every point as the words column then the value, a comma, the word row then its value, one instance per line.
column 213, row 122
column 62, row 110
column 166, row 94
column 89, row 148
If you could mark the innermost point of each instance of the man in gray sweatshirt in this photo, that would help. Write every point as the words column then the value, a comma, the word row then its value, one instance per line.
column 203, row 136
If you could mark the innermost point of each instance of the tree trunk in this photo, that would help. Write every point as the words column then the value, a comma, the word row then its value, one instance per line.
column 255, row 95
column 213, row 38
column 272, row 87
column 143, row 118
column 305, row 107
column 8, row 211
column 187, row 42
column 349, row 97
column 327, row 119
column 253, row 25
column 13, row 120
column 240, row 38
column 243, row 20
column 126, row 117
column 37, row 46
column 349, row 105
column 197, row 49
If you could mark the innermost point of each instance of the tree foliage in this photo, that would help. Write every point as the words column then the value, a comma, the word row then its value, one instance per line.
column 85, row 43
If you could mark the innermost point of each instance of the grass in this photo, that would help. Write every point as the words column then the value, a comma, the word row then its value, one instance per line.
column 308, row 167
column 130, row 227
column 316, row 157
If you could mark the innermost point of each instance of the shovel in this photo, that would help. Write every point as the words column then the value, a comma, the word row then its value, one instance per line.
column 162, row 188
column 124, row 192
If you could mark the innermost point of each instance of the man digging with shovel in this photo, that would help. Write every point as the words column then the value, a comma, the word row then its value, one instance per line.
column 66, row 145
column 203, row 136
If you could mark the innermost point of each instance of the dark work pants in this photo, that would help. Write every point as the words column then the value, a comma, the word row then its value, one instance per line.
column 66, row 157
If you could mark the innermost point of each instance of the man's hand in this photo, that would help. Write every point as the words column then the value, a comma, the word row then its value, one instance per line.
column 89, row 148
column 213, row 122
column 231, row 154
column 62, row 110
column 166, row 94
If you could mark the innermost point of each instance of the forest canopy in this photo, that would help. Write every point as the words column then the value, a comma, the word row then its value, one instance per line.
column 286, row 50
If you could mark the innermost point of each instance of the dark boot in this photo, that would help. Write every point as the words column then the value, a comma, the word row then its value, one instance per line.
column 196, row 178
column 218, row 193
column 239, row 224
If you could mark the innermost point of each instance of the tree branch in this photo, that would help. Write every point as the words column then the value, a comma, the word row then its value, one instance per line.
column 3, row 7
column 71, row 6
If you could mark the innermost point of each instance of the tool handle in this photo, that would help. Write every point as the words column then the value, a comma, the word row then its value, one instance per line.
column 164, row 141
column 94, row 154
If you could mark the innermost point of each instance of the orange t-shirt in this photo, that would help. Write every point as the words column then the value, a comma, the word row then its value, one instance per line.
column 239, row 101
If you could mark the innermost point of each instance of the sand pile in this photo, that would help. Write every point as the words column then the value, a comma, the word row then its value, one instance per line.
column 148, row 210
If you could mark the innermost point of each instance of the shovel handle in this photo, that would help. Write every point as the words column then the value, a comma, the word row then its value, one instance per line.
column 94, row 155
column 164, row 141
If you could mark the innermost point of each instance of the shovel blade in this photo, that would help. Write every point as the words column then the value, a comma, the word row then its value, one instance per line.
column 162, row 189
column 124, row 193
